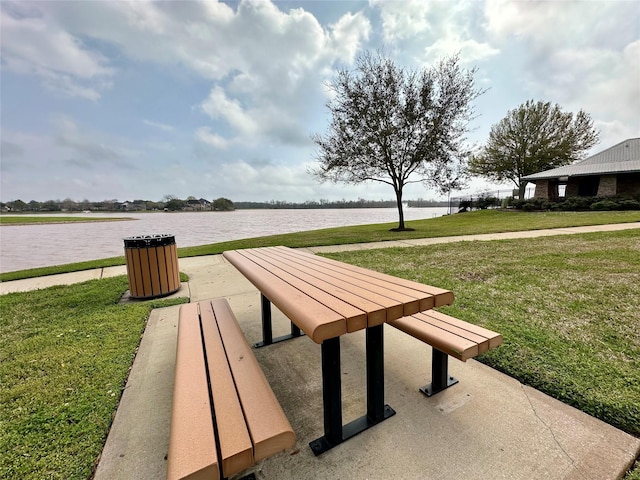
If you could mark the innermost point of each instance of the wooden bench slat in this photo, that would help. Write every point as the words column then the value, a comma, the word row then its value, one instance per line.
column 493, row 339
column 192, row 448
column 292, row 302
column 377, row 296
column 441, row 296
column 448, row 334
column 458, row 330
column 235, row 443
column 413, row 300
column 447, row 342
column 269, row 428
column 356, row 318
column 374, row 314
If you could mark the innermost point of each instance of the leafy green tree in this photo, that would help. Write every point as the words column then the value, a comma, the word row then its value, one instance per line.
column 393, row 125
column 18, row 206
column 34, row 206
column 69, row 205
column 50, row 206
column 534, row 137
column 175, row 204
column 223, row 205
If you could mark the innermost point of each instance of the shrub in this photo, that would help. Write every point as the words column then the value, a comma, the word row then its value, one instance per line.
column 577, row 203
column 628, row 204
column 573, row 204
column 465, row 205
column 604, row 205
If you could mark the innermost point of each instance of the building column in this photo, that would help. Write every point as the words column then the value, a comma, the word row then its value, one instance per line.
column 608, row 186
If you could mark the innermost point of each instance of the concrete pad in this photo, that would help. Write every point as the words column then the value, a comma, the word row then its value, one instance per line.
column 183, row 292
column 487, row 426
column 214, row 277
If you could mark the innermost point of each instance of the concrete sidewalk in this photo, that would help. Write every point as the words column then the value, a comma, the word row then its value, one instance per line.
column 488, row 426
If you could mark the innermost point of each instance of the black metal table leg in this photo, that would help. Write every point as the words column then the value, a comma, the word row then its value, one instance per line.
column 331, row 397
column 377, row 411
column 267, row 332
column 267, row 329
column 334, row 432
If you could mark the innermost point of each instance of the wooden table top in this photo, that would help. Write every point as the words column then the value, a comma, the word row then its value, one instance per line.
column 326, row 298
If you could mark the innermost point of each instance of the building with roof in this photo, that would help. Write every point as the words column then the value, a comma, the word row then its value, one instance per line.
column 610, row 173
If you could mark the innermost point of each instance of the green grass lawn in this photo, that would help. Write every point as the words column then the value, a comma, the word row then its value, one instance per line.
column 65, row 353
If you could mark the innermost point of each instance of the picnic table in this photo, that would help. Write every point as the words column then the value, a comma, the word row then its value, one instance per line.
column 325, row 299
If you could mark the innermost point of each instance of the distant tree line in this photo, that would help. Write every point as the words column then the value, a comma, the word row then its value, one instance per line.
column 323, row 203
column 175, row 204
column 169, row 203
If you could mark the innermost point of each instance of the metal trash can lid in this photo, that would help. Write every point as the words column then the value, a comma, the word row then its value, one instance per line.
column 144, row 241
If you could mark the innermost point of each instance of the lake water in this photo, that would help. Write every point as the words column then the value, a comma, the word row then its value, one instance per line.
column 30, row 246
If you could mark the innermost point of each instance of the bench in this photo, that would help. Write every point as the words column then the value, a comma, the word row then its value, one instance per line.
column 448, row 336
column 225, row 417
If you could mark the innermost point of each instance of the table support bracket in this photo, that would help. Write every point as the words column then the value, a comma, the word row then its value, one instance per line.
column 440, row 378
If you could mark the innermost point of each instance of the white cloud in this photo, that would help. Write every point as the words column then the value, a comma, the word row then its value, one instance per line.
column 347, row 35
column 470, row 50
column 91, row 150
column 429, row 31
column 581, row 55
column 266, row 180
column 403, row 20
column 161, row 126
column 242, row 84
column 265, row 65
column 204, row 135
column 32, row 46
column 219, row 106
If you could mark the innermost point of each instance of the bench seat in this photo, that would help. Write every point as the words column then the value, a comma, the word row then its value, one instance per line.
column 225, row 417
column 448, row 336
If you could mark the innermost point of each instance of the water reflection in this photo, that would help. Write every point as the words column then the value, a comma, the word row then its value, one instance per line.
column 32, row 246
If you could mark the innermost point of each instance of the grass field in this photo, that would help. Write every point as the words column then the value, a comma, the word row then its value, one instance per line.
column 65, row 353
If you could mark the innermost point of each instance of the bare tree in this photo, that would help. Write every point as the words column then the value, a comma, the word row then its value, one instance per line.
column 532, row 138
column 393, row 125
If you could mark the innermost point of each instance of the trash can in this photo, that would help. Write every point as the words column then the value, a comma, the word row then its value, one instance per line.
column 152, row 265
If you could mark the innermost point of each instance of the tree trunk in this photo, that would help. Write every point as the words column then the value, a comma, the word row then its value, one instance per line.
column 522, row 188
column 400, row 211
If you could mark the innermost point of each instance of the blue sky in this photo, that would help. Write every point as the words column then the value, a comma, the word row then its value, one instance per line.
column 139, row 100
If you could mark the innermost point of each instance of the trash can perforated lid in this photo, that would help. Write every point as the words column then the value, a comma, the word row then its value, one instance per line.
column 143, row 241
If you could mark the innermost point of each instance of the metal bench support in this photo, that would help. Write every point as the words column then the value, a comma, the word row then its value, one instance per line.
column 440, row 378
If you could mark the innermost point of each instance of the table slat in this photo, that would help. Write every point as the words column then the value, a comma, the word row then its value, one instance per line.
column 316, row 320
